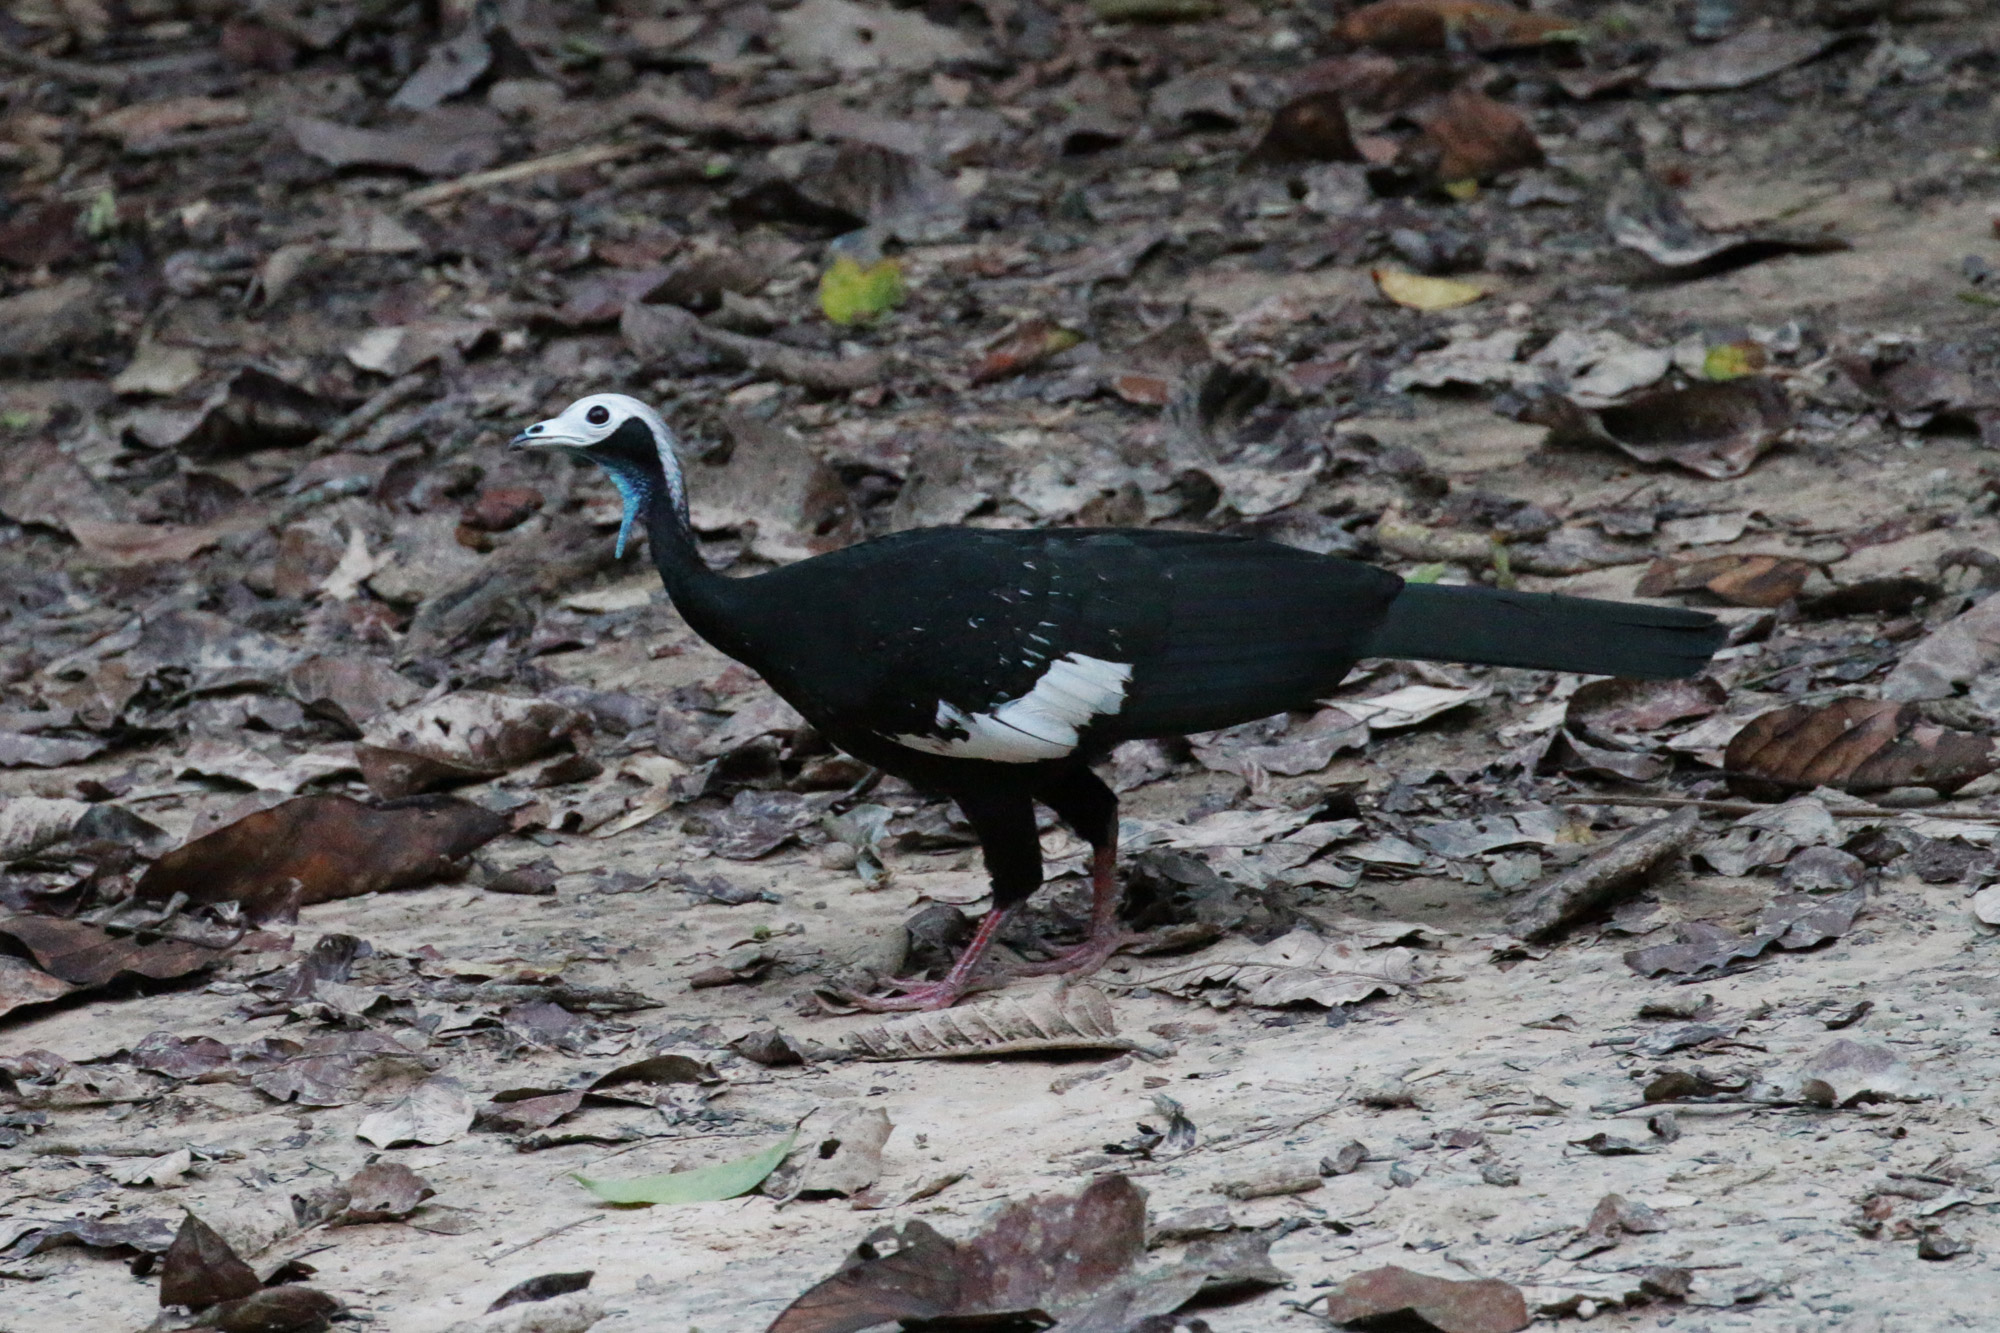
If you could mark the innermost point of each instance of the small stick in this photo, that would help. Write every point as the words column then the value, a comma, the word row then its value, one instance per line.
column 69, row 71
column 589, row 155
column 493, row 1259
column 381, row 405
column 1599, row 879
column 1752, row 807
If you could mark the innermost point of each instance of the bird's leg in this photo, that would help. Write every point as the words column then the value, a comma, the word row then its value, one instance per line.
column 914, row 994
column 1106, row 936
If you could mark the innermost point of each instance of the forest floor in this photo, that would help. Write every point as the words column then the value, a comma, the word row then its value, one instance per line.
column 1697, row 301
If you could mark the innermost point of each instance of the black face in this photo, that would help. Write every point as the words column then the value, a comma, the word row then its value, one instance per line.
column 630, row 450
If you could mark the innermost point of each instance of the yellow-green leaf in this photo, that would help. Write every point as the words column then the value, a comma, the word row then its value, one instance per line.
column 1732, row 361
column 1464, row 191
column 849, row 293
column 1421, row 293
column 725, row 1180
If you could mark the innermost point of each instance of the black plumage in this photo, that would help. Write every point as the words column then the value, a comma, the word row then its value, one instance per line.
column 995, row 666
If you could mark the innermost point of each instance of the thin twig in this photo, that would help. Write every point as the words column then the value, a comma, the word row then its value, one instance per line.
column 568, row 160
column 69, row 71
column 1752, row 807
column 493, row 1259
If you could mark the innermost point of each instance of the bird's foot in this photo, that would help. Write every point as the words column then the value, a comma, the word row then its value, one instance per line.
column 910, row 994
column 1084, row 959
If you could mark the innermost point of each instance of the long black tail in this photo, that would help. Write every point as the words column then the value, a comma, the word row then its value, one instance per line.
column 1546, row 631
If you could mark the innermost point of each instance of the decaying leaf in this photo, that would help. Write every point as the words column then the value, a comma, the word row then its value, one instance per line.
column 1451, row 25
column 1420, row 292
column 447, row 141
column 1713, row 429
column 1301, row 967
column 1739, row 579
column 320, row 848
column 1791, row 921
column 1647, row 217
column 383, row 1192
column 1739, row 60
column 88, row 956
column 1067, row 1258
column 437, row 1110
column 1846, row 1073
column 1380, row 1295
column 22, row 984
column 1617, row 711
column 1951, row 657
column 846, row 1159
column 1077, row 1018
column 1309, row 128
column 544, row 1287
column 1858, row 745
column 702, row 1184
column 1022, row 349
column 1478, row 138
column 462, row 737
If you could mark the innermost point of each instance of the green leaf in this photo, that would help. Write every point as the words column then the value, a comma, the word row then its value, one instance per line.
column 725, row 1180
column 849, row 293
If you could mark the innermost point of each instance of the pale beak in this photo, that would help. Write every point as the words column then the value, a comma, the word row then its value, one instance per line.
column 546, row 434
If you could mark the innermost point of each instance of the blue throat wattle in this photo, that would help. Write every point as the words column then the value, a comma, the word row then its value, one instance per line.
column 634, row 488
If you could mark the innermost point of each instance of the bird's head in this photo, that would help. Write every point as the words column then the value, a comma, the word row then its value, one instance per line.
column 626, row 438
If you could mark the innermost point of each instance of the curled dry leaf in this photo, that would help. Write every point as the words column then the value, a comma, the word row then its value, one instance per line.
column 463, row 737
column 1647, row 217
column 332, row 846
column 1309, row 128
column 1858, row 745
column 546, row 1286
column 1791, row 921
column 88, row 956
column 1478, row 138
column 1382, row 1295
column 1077, row 1018
column 1297, row 968
column 1740, row 579
column 1451, row 25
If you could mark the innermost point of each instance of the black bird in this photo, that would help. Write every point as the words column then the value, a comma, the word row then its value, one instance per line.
column 994, row 666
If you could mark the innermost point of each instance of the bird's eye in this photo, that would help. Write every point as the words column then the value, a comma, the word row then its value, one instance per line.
column 597, row 416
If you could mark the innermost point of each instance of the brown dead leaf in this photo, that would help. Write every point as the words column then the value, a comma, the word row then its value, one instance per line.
column 1713, row 429
column 333, row 846
column 843, row 1161
column 1451, row 25
column 1022, row 349
column 1615, row 710
column 1070, row 1258
column 23, row 984
column 1951, row 657
column 120, row 545
column 785, row 500
column 200, row 1269
column 463, row 737
column 1738, row 578
column 43, row 321
column 1478, row 138
column 383, row 1192
column 286, row 1309
column 1859, row 745
column 1309, row 128
column 42, row 235
column 1380, row 1295
column 332, row 1070
column 351, row 690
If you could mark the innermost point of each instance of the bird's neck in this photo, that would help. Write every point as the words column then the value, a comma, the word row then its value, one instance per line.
column 706, row 600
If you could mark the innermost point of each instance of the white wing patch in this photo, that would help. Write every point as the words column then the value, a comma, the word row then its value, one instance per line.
column 1041, row 724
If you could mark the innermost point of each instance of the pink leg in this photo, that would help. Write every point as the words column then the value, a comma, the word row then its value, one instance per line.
column 1106, row 936
column 938, row 994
